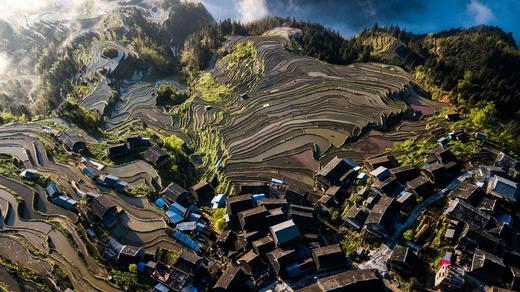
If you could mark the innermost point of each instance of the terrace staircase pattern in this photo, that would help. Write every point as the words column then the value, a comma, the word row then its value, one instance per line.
column 298, row 109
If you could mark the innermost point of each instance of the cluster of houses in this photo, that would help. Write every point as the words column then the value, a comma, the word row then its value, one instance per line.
column 60, row 198
column 272, row 232
column 179, row 276
column 483, row 228
column 151, row 153
column 92, row 171
column 396, row 190
column 482, row 221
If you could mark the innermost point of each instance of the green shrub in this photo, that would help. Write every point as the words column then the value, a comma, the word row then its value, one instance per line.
column 169, row 94
column 409, row 234
column 110, row 52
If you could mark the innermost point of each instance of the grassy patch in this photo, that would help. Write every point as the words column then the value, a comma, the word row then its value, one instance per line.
column 167, row 256
column 139, row 191
column 211, row 90
column 351, row 242
column 98, row 152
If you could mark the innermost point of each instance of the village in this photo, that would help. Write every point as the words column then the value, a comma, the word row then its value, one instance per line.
column 369, row 225
column 153, row 147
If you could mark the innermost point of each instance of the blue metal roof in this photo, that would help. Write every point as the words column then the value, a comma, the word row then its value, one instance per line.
column 194, row 217
column 276, row 181
column 174, row 217
column 257, row 197
column 187, row 226
column 177, row 208
column 52, row 189
column 141, row 266
column 284, row 232
column 505, row 187
column 111, row 177
column 160, row 203
column 188, row 241
column 160, row 288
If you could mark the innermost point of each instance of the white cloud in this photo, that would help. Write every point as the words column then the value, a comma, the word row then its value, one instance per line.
column 5, row 62
column 250, row 10
column 481, row 13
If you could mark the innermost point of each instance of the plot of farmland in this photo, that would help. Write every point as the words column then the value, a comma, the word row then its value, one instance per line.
column 295, row 108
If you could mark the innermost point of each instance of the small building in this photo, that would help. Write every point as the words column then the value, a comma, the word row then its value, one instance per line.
column 329, row 258
column 29, row 173
column 295, row 196
column 72, row 142
column 445, row 156
column 452, row 117
column 443, row 141
column 218, row 201
column 264, row 245
column 352, row 280
column 472, row 238
column 115, row 183
column 449, row 278
column 503, row 189
column 251, row 264
column 136, row 143
column 226, row 239
column 390, row 186
column 303, row 216
column 404, row 173
column 466, row 191
column 284, row 232
column 279, row 259
column 420, row 186
column 104, row 209
column 174, row 193
column 53, row 190
column 237, row 204
column 481, row 136
column 507, row 162
column 406, row 200
column 203, row 192
column 381, row 173
column 90, row 172
column 189, row 262
column 253, row 219
column 379, row 220
column 120, row 254
column 355, row 217
column 232, row 279
column 387, row 161
column 332, row 172
column 273, row 203
column 488, row 267
column 116, row 150
column 437, row 173
column 65, row 202
column 467, row 213
column 156, row 156
column 402, row 260
column 327, row 201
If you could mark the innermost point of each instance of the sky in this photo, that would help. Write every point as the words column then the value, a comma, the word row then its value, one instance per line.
column 350, row 16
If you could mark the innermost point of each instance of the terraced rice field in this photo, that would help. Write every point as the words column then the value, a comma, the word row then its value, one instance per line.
column 299, row 109
column 140, row 223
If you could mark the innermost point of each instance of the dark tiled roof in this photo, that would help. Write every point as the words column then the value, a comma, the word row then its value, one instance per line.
column 155, row 155
column 101, row 205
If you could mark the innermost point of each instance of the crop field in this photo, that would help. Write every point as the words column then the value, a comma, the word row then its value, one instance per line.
column 294, row 112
